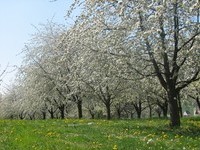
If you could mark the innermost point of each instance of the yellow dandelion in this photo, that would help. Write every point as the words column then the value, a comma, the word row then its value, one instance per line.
column 177, row 136
column 165, row 136
column 115, row 147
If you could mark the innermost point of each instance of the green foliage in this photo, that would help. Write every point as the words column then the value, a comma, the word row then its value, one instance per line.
column 98, row 134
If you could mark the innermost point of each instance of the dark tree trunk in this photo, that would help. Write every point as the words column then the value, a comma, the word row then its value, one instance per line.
column 179, row 104
column 79, row 106
column 158, row 111
column 196, row 99
column 77, row 99
column 165, row 110
column 163, row 107
column 126, row 113
column 32, row 116
column 138, row 114
column 22, row 115
column 173, row 108
column 198, row 102
column 62, row 111
column 92, row 114
column 150, row 112
column 11, row 117
column 118, row 113
column 150, row 107
column 43, row 115
column 159, row 114
column 131, row 115
column 62, row 114
column 91, row 111
column 138, row 108
column 108, row 111
column 51, row 113
column 118, row 110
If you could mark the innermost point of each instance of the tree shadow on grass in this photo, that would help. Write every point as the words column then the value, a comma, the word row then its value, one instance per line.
column 190, row 127
column 189, row 130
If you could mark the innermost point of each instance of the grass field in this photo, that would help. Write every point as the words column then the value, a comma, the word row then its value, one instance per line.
column 71, row 134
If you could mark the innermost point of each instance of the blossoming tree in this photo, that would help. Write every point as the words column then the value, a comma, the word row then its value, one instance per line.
column 165, row 34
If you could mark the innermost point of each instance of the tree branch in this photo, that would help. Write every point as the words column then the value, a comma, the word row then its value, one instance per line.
column 183, row 84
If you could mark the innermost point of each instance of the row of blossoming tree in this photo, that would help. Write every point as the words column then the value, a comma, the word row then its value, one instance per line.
column 119, row 57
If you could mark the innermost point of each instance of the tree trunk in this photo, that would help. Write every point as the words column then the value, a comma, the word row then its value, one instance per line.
column 62, row 114
column 150, row 112
column 62, row 111
column 163, row 106
column 127, row 114
column 138, row 114
column 108, row 110
column 51, row 111
column 91, row 111
column 179, row 104
column 131, row 115
column 118, row 113
column 11, row 117
column 198, row 102
column 118, row 110
column 138, row 108
column 92, row 115
column 80, row 112
column 32, row 117
column 173, row 108
column 43, row 115
column 196, row 99
column 150, row 107
column 159, row 114
column 22, row 115
column 165, row 110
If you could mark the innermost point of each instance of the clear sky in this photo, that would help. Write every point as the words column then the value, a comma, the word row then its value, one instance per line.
column 17, row 18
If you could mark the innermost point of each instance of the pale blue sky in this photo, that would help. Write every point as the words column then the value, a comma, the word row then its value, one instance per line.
column 17, row 18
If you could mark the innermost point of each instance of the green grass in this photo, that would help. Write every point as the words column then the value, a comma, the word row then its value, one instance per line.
column 71, row 134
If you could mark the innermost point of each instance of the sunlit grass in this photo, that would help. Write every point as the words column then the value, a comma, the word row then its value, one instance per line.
column 83, row 134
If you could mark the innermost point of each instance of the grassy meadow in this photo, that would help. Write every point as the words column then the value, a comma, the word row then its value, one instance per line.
column 72, row 134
